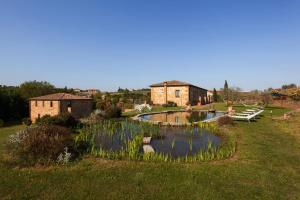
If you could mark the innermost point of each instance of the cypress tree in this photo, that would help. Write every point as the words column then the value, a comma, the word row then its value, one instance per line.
column 226, row 92
column 215, row 95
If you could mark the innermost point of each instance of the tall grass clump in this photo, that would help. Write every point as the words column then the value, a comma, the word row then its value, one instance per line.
column 123, row 139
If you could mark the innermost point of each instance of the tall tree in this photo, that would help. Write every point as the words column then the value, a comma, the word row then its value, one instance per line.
column 215, row 95
column 36, row 88
column 226, row 92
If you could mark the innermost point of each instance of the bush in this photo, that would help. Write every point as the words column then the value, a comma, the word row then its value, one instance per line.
column 112, row 112
column 1, row 123
column 26, row 121
column 170, row 104
column 42, row 145
column 225, row 120
column 64, row 119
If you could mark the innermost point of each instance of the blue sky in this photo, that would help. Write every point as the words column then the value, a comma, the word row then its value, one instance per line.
column 107, row 44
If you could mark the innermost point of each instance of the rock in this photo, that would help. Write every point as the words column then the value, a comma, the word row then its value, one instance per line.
column 148, row 149
column 146, row 140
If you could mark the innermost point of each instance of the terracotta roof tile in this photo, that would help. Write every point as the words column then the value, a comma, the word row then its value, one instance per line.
column 173, row 83
column 60, row 96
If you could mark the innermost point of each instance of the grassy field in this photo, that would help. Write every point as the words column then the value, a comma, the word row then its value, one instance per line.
column 266, row 166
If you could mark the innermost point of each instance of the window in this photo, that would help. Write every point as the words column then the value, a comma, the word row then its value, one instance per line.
column 177, row 119
column 51, row 104
column 43, row 103
column 69, row 107
column 177, row 93
column 36, row 104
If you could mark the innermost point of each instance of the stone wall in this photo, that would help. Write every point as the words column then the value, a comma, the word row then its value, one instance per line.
column 183, row 95
column 191, row 94
column 158, row 95
column 78, row 108
column 41, row 108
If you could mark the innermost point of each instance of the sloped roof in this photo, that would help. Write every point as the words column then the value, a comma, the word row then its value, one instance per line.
column 174, row 83
column 60, row 96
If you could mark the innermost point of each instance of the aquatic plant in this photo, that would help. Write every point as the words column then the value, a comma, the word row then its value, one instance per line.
column 173, row 143
column 122, row 139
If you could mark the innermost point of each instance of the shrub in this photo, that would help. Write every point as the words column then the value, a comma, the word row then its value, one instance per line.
column 1, row 123
column 128, row 106
column 170, row 104
column 112, row 112
column 41, row 145
column 225, row 120
column 26, row 121
column 64, row 119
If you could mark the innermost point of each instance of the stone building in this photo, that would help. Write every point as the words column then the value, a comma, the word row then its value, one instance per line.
column 178, row 92
column 54, row 104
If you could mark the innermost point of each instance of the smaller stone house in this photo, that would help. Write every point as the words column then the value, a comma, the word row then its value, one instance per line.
column 178, row 92
column 54, row 104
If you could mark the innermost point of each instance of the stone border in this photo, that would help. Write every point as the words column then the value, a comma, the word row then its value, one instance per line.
column 138, row 118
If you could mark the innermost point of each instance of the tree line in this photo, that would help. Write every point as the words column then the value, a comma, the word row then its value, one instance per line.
column 14, row 99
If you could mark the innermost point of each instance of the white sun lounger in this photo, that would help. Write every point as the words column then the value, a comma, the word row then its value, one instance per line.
column 245, row 116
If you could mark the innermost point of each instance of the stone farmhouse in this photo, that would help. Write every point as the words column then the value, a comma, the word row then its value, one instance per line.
column 54, row 104
column 180, row 93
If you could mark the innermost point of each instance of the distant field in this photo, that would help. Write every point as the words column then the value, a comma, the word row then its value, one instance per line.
column 266, row 166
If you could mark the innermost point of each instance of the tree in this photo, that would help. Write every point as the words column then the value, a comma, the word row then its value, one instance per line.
column 289, row 86
column 235, row 93
column 226, row 92
column 36, row 88
column 215, row 95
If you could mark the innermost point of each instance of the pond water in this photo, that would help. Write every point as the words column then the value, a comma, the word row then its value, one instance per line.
column 184, row 142
column 174, row 141
column 181, row 117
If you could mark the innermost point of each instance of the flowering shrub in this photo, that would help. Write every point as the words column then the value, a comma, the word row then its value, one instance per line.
column 65, row 157
column 41, row 145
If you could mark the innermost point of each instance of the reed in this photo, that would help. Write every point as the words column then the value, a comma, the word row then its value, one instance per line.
column 122, row 139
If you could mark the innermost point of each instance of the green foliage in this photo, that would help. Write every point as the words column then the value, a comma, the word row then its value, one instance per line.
column 12, row 105
column 26, row 121
column 31, row 89
column 1, row 123
column 40, row 145
column 170, row 104
column 63, row 119
column 112, row 112
column 226, row 91
column 14, row 100
column 215, row 95
column 123, row 98
column 131, row 134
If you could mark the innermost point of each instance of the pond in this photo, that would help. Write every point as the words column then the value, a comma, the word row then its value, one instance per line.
column 178, row 142
column 181, row 117
column 172, row 141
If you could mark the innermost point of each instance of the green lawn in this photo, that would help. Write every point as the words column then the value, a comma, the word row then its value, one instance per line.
column 266, row 166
